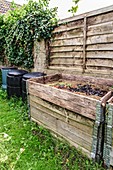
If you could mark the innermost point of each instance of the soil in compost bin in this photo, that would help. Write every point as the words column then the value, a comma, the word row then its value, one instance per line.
column 86, row 89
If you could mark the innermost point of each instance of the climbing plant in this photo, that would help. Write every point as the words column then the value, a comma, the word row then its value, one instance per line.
column 22, row 26
column 2, row 38
column 74, row 8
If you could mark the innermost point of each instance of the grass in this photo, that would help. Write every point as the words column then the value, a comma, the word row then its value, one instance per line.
column 26, row 146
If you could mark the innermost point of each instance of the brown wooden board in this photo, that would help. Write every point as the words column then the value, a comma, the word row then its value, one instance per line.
column 63, row 114
column 101, row 17
column 77, row 130
column 81, row 104
column 66, row 49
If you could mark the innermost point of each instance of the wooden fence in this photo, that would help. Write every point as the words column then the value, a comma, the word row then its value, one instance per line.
column 84, row 44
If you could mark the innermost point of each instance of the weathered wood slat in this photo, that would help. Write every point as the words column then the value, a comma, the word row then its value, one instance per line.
column 100, row 39
column 70, row 61
column 69, row 26
column 100, row 62
column 99, row 67
column 103, row 72
column 48, row 120
column 100, row 47
column 64, row 49
column 74, row 134
column 66, row 60
column 101, row 17
column 68, row 70
column 102, row 28
column 71, row 132
column 105, row 98
column 58, row 135
column 67, row 55
column 62, row 114
column 100, row 55
column 74, row 33
column 66, row 65
column 75, row 41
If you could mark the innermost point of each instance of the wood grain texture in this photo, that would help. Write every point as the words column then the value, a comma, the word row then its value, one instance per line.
column 68, row 115
column 89, row 40
column 63, row 114
column 78, row 129
column 80, row 104
column 62, row 137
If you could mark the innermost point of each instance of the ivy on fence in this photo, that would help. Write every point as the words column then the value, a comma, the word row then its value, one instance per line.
column 21, row 26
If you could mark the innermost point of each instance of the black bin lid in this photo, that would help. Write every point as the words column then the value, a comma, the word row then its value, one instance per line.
column 33, row 74
column 17, row 72
column 8, row 68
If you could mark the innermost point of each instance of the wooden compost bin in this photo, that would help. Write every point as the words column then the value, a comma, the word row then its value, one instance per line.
column 68, row 115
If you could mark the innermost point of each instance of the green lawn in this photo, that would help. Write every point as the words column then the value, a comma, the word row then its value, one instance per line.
column 27, row 146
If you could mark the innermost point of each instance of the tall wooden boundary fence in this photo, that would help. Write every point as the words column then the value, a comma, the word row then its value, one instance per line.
column 83, row 44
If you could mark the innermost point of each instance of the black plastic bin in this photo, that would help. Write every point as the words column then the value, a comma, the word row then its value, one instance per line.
column 28, row 76
column 14, row 83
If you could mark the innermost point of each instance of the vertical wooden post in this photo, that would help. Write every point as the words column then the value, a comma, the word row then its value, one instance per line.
column 84, row 43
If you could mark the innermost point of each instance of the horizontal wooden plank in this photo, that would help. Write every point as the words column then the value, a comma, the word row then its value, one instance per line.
column 102, row 28
column 69, row 70
column 103, row 72
column 64, row 55
column 99, row 55
column 62, row 114
column 100, row 62
column 101, row 68
column 74, row 33
column 75, row 41
column 99, row 39
column 69, row 26
column 100, row 47
column 67, row 65
column 45, row 79
column 65, row 28
column 66, row 49
column 103, row 17
column 65, row 60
